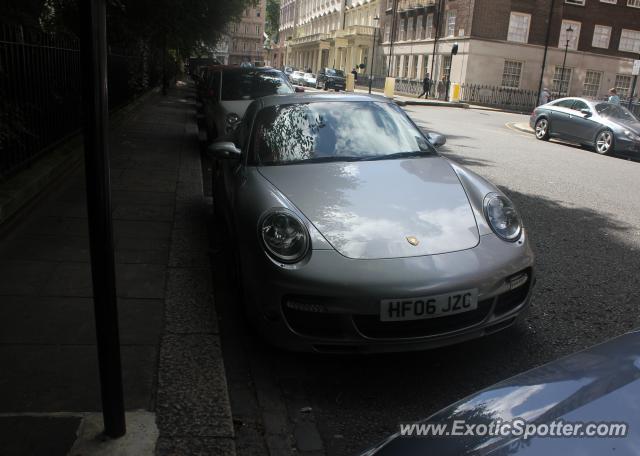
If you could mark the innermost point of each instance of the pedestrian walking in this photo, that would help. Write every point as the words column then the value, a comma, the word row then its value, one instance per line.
column 545, row 96
column 613, row 96
column 354, row 72
column 426, row 86
column 440, row 88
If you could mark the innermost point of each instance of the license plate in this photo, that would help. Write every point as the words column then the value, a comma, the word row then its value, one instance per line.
column 428, row 307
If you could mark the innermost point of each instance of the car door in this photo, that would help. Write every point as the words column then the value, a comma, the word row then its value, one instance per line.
column 234, row 170
column 582, row 127
column 560, row 113
column 210, row 102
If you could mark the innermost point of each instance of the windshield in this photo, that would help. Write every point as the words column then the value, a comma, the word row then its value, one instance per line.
column 615, row 112
column 331, row 72
column 253, row 84
column 334, row 131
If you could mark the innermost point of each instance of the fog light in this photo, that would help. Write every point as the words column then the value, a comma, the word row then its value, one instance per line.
column 306, row 307
column 518, row 280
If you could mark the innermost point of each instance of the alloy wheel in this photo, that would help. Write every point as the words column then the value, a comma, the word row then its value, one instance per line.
column 604, row 141
column 542, row 129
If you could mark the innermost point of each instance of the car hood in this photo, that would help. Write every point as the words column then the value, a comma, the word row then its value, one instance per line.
column 601, row 384
column 368, row 209
column 628, row 125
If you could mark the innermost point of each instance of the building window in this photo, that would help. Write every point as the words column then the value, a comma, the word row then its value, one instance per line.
column 630, row 40
column 633, row 3
column 609, row 1
column 403, row 29
column 623, row 85
column 410, row 29
column 591, row 84
column 425, row 60
column 519, row 27
column 446, row 67
column 428, row 28
column 387, row 32
column 511, row 74
column 405, row 66
column 397, row 71
column 419, row 28
column 572, row 36
column 561, row 80
column 451, row 23
column 257, row 30
column 601, row 36
column 575, row 2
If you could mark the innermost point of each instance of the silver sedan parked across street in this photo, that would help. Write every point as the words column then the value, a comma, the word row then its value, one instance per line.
column 354, row 235
column 607, row 127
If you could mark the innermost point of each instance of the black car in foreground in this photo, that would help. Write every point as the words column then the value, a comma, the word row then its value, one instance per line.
column 584, row 404
column 330, row 78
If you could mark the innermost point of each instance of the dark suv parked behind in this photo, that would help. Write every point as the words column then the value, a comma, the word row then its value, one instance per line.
column 330, row 78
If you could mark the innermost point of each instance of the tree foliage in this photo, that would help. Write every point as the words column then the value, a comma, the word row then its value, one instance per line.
column 273, row 18
column 176, row 24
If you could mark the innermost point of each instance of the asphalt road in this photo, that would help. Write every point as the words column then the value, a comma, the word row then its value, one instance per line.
column 582, row 212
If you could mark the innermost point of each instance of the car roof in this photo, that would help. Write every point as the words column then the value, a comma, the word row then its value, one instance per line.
column 315, row 97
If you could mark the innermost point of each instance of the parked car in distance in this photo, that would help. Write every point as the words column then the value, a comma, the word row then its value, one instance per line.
column 297, row 77
column 230, row 90
column 607, row 127
column 310, row 79
column 597, row 385
column 353, row 234
column 330, row 78
column 288, row 70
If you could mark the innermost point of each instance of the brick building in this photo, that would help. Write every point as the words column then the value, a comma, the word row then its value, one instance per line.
column 501, row 42
column 246, row 37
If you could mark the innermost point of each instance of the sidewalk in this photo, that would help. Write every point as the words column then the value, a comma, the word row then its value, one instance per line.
column 410, row 100
column 173, row 371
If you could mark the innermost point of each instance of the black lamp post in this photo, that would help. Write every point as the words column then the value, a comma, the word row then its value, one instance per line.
column 564, row 61
column 373, row 51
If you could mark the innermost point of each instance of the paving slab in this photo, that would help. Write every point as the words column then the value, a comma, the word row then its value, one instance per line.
column 37, row 435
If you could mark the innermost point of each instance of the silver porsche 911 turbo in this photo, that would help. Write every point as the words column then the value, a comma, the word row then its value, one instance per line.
column 353, row 234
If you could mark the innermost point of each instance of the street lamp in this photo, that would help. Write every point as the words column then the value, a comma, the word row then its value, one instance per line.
column 564, row 61
column 373, row 51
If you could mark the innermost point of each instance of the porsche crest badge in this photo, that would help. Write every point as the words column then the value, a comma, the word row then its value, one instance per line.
column 413, row 240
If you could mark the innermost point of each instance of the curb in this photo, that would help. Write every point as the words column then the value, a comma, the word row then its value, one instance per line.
column 520, row 127
column 24, row 188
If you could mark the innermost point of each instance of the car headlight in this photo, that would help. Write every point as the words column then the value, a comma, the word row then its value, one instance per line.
column 232, row 119
column 502, row 217
column 631, row 135
column 284, row 236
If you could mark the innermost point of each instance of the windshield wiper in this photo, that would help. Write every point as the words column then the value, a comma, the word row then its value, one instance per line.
column 415, row 153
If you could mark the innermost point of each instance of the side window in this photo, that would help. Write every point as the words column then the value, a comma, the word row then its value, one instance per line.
column 214, row 84
column 579, row 104
column 565, row 103
column 242, row 132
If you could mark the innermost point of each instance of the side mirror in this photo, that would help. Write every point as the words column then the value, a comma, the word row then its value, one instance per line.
column 436, row 140
column 586, row 112
column 224, row 150
column 299, row 89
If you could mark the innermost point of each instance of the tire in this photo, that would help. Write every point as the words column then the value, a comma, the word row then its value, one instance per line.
column 604, row 142
column 542, row 129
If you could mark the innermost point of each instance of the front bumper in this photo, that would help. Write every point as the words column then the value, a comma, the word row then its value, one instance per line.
column 625, row 144
column 332, row 303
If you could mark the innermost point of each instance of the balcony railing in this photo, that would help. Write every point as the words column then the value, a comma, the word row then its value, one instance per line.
column 309, row 38
column 407, row 5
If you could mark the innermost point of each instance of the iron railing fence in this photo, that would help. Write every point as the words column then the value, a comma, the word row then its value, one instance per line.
column 499, row 97
column 40, row 90
column 377, row 82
